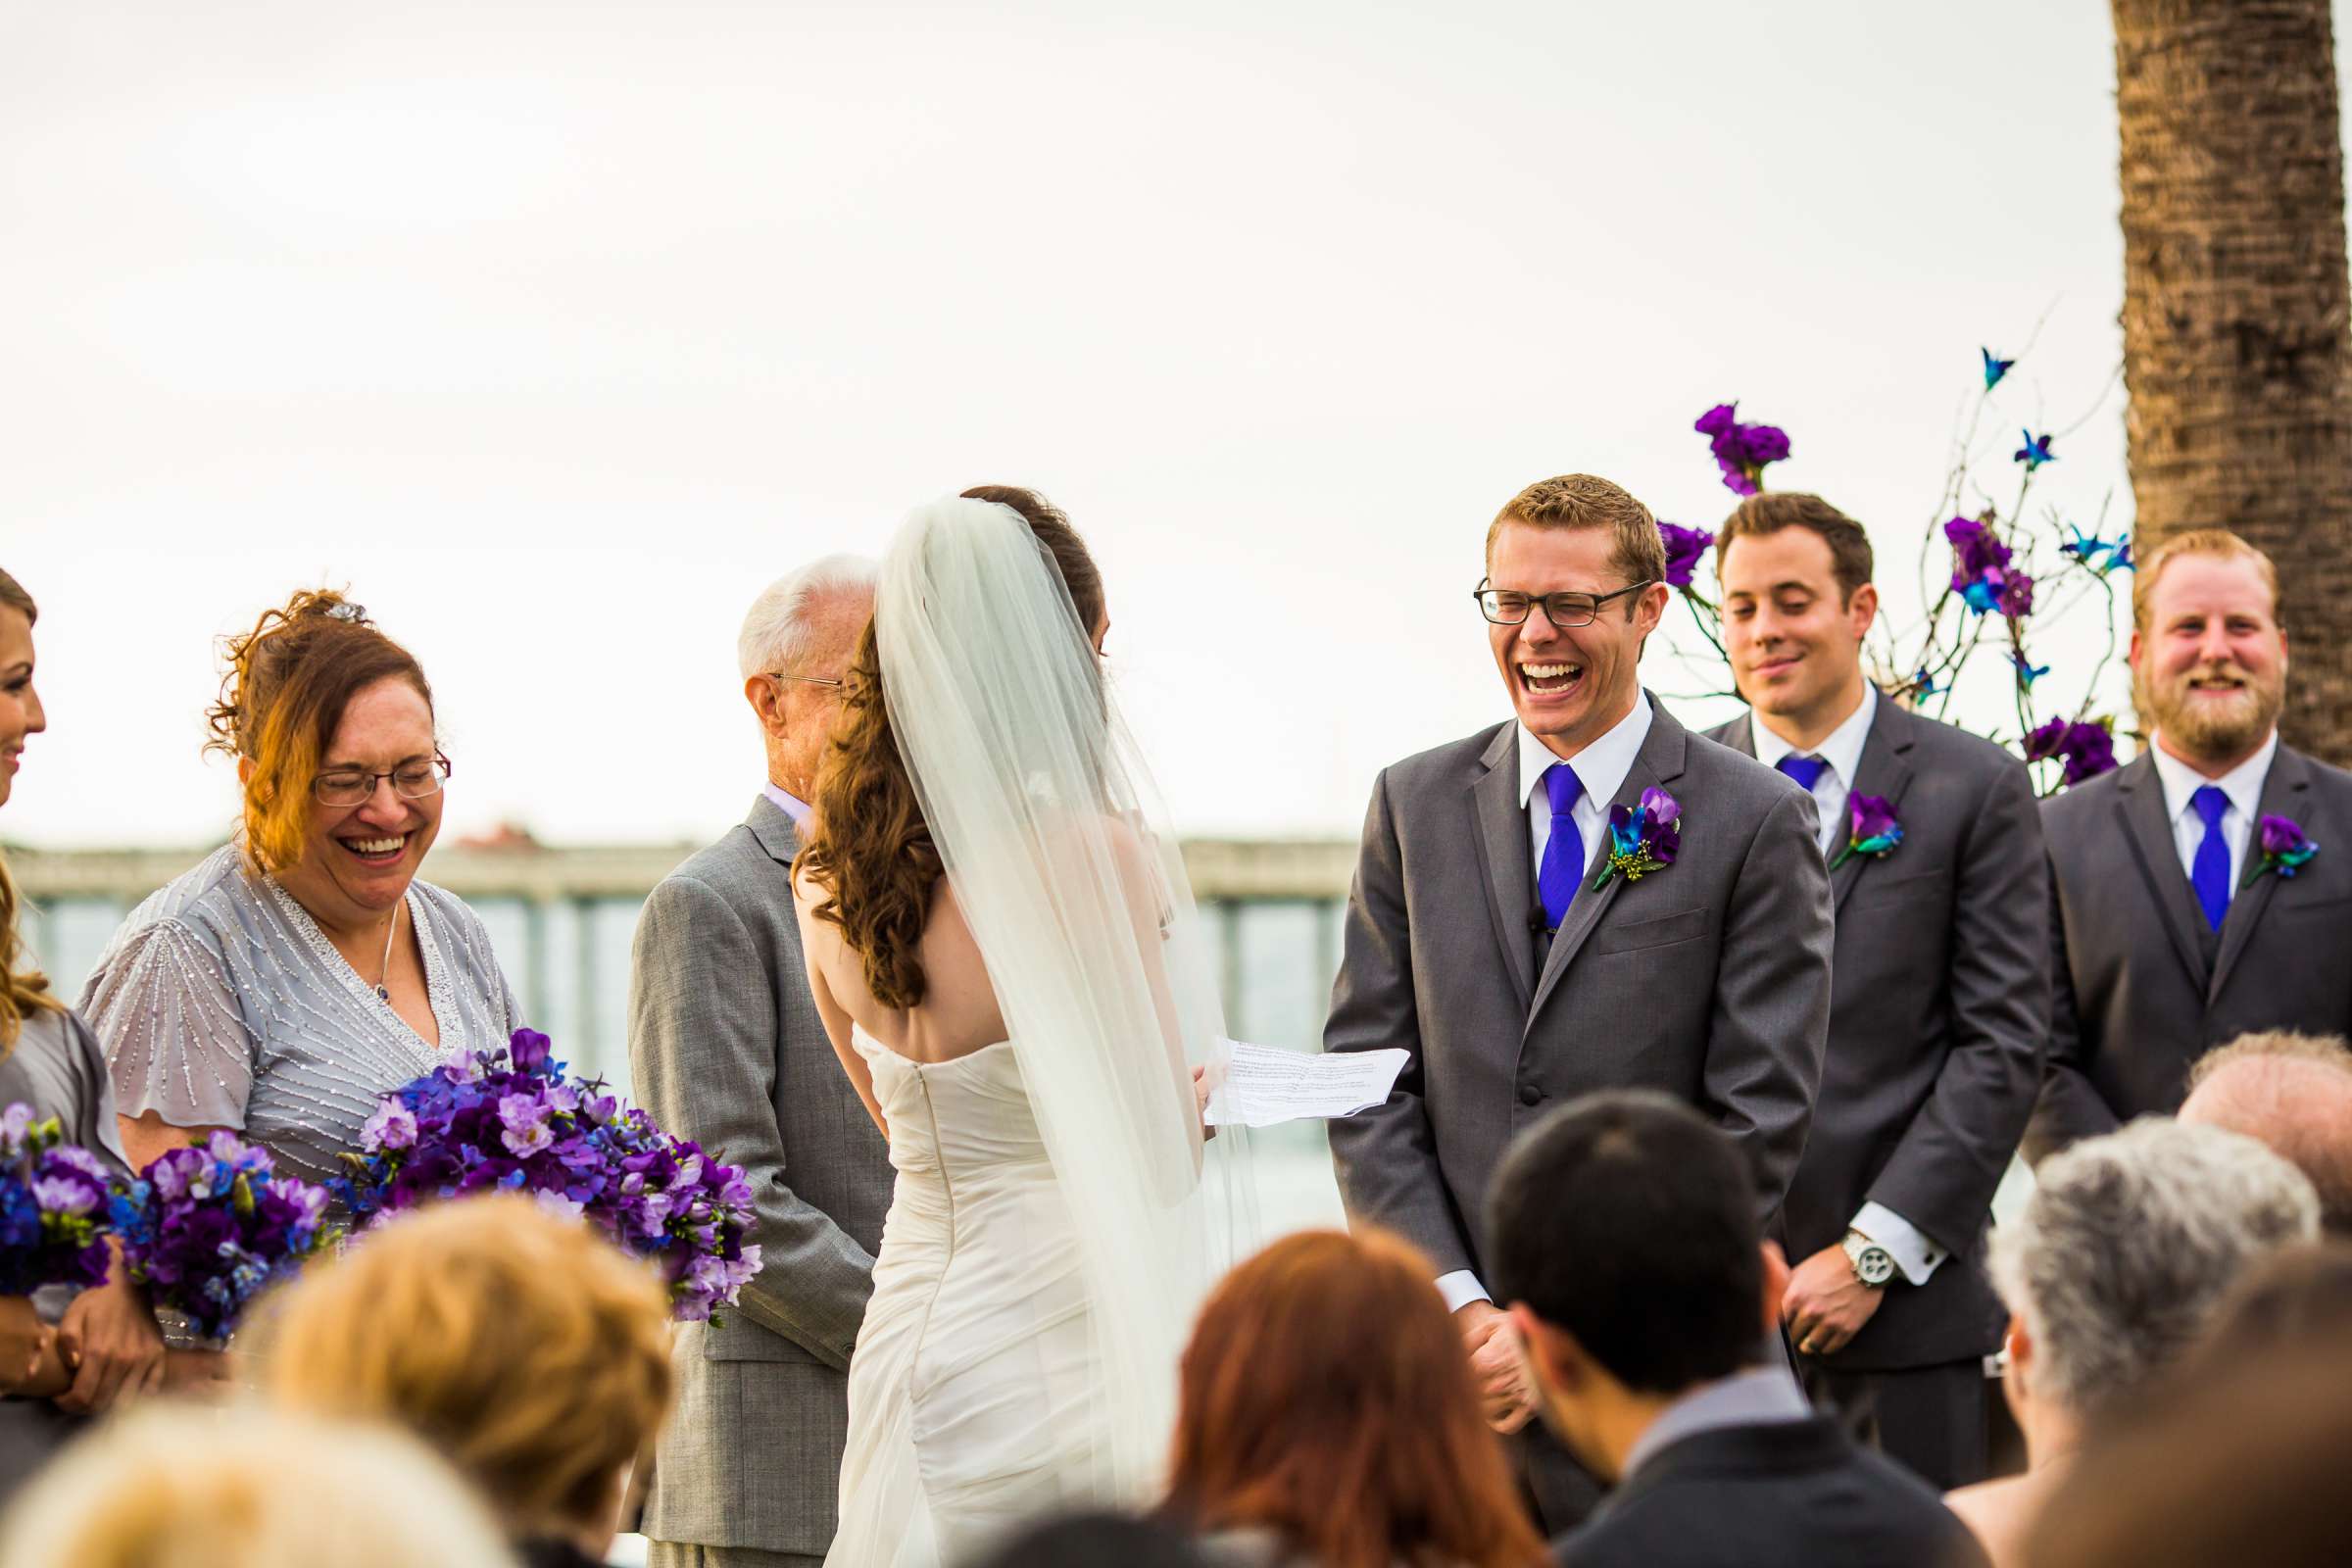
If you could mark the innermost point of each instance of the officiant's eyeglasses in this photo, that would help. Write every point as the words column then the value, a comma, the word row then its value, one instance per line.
column 811, row 680
column 412, row 780
column 1505, row 607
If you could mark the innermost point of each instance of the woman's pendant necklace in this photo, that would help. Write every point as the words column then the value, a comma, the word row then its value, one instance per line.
column 383, row 979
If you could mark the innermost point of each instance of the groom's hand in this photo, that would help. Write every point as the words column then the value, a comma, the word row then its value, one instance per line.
column 1504, row 1384
column 1825, row 1306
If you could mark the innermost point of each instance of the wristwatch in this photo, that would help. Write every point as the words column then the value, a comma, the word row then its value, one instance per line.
column 1874, row 1265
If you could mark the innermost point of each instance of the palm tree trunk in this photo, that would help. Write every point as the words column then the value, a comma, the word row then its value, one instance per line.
column 2237, row 339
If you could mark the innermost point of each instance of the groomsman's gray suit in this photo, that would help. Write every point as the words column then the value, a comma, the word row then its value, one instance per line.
column 2143, row 984
column 1709, row 980
column 1940, row 996
column 727, row 1049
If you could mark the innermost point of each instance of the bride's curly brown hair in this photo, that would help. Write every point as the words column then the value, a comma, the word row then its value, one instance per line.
column 869, row 848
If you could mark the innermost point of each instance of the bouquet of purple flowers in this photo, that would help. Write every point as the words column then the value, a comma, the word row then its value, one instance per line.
column 511, row 1121
column 53, row 1208
column 208, row 1227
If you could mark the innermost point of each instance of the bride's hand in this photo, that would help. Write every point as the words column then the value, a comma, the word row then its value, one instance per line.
column 1201, row 1101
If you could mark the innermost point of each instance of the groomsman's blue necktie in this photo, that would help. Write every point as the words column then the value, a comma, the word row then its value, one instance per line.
column 1806, row 771
column 2209, row 872
column 1563, row 865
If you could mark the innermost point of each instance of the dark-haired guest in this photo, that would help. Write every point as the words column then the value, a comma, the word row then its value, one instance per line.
column 1328, row 1419
column 2244, row 1468
column 71, row 1352
column 2111, row 1275
column 1624, row 1237
column 2293, row 1093
column 302, row 971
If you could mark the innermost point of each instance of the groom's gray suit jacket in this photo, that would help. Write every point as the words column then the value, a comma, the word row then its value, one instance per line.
column 1709, row 979
column 726, row 1049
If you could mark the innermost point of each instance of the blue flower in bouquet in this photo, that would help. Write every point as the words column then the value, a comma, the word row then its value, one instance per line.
column 511, row 1120
column 53, row 1206
column 208, row 1227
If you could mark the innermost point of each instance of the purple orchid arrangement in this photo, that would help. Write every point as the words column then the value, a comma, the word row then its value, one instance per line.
column 53, row 1203
column 2085, row 749
column 1872, row 829
column 1686, row 548
column 208, row 1227
column 511, row 1121
column 2016, row 574
column 1642, row 839
column 2285, row 848
column 1983, row 570
column 1741, row 451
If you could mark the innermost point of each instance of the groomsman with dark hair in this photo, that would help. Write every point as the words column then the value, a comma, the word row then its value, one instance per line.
column 2203, row 891
column 1940, row 993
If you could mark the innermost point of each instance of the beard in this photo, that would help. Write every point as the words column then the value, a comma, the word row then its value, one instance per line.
column 2209, row 724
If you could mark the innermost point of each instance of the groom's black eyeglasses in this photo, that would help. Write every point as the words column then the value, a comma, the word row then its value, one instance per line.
column 1506, row 606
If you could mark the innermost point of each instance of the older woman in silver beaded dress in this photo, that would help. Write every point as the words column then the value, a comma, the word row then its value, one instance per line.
column 298, row 974
column 69, row 1352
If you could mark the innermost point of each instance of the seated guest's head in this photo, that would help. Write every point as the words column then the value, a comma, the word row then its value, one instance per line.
column 2243, row 1466
column 322, row 711
column 2115, row 1266
column 2292, row 1093
column 522, row 1346
column 1091, row 1540
column 793, row 654
column 187, row 1486
column 1326, row 1405
column 1623, row 1233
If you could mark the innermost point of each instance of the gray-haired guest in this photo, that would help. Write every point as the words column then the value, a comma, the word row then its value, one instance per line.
column 2131, row 1241
column 726, row 1050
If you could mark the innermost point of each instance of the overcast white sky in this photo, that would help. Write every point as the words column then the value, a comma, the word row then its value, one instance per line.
column 556, row 331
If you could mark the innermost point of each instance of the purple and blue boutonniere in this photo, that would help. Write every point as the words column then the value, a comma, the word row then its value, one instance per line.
column 2285, row 848
column 1642, row 839
column 1874, row 831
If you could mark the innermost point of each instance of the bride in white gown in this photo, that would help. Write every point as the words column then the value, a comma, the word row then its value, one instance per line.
column 1006, row 956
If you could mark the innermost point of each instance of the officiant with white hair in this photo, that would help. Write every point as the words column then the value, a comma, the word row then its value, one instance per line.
column 727, row 1049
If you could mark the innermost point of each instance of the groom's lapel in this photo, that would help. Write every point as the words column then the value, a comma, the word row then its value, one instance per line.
column 1660, row 761
column 1504, row 853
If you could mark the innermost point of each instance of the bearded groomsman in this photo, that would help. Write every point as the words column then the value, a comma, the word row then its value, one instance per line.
column 1941, row 991
column 2202, row 891
column 727, row 1049
column 1498, row 933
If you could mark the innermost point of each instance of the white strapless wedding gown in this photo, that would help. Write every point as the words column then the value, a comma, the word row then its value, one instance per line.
column 974, row 1393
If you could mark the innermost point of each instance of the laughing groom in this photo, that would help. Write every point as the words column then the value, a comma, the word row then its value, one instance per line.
column 1585, row 896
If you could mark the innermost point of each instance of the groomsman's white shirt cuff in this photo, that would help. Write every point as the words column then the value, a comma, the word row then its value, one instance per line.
column 1912, row 1253
column 1460, row 1288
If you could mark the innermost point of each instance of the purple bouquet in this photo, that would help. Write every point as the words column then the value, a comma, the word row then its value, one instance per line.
column 53, row 1208
column 208, row 1227
column 511, row 1121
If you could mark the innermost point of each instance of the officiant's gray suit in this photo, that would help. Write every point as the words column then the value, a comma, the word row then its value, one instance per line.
column 1940, row 1002
column 1708, row 979
column 727, row 1049
column 2143, row 984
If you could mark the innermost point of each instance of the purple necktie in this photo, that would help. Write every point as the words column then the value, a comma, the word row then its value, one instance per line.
column 1563, row 865
column 2209, row 872
column 1806, row 771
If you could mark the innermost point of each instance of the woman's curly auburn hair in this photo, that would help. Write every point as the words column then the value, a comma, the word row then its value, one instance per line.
column 869, row 848
column 282, row 698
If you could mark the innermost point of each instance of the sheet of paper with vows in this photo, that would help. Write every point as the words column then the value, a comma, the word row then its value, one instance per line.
column 1265, row 1086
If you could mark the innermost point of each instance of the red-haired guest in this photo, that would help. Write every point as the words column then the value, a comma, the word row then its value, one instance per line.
column 303, row 969
column 1328, row 1418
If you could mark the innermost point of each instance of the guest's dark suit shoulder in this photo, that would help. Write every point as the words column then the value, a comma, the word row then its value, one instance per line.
column 1791, row 1495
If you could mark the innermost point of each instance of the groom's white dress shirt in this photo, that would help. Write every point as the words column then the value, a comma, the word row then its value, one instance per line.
column 1600, row 768
column 1912, row 1252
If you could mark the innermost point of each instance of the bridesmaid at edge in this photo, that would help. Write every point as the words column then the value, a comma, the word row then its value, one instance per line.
column 66, row 1353
column 303, row 969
